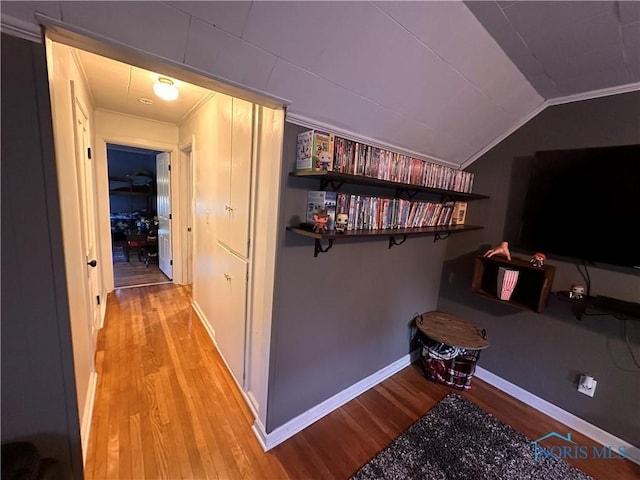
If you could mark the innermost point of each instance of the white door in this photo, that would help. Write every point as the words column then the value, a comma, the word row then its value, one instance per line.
column 240, row 191
column 230, row 321
column 87, row 203
column 163, row 182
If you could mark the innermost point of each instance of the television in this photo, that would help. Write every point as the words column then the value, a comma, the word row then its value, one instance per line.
column 584, row 204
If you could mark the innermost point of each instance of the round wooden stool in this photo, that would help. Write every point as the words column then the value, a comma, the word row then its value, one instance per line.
column 452, row 330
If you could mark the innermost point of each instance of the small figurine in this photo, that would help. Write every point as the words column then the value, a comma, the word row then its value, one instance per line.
column 502, row 249
column 341, row 222
column 538, row 259
column 324, row 160
column 321, row 217
column 577, row 291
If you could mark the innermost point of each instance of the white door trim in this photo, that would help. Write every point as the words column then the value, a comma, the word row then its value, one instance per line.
column 102, row 178
column 186, row 202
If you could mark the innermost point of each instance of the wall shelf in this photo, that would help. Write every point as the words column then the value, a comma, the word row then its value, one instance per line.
column 607, row 305
column 396, row 236
column 335, row 180
column 531, row 291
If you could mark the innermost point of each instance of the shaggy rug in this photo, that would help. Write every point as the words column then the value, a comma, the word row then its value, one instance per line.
column 458, row 440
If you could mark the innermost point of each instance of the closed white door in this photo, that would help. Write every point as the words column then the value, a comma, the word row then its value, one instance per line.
column 230, row 321
column 224, row 122
column 163, row 181
column 86, row 190
column 240, row 192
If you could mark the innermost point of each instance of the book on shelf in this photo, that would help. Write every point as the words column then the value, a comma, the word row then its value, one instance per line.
column 373, row 213
column 355, row 158
column 315, row 151
column 445, row 215
column 322, row 199
column 459, row 213
column 507, row 280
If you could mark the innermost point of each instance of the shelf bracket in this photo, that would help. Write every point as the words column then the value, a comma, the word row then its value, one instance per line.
column 393, row 241
column 409, row 193
column 335, row 184
column 318, row 248
column 437, row 237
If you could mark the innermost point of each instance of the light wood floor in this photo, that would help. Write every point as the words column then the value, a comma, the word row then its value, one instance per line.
column 135, row 272
column 166, row 407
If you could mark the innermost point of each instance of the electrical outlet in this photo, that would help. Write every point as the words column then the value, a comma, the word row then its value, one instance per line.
column 587, row 386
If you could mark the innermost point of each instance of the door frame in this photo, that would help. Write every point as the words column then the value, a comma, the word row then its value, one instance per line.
column 187, row 208
column 102, row 178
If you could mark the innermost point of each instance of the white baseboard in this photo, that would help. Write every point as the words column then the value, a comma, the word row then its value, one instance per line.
column 85, row 427
column 576, row 423
column 203, row 320
column 212, row 334
column 302, row 421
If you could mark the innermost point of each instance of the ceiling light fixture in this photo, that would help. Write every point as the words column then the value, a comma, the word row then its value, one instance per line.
column 165, row 89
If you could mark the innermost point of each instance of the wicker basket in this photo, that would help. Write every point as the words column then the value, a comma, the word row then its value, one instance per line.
column 456, row 371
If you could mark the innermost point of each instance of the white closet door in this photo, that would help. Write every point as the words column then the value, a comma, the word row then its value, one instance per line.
column 230, row 323
column 223, row 121
column 241, row 152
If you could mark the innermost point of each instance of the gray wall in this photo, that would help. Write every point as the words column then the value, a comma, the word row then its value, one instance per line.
column 342, row 316
column 38, row 390
column 545, row 353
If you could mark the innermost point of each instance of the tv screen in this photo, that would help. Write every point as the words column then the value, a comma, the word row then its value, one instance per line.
column 584, row 204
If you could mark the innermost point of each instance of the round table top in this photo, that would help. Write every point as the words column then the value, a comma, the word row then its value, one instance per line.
column 451, row 330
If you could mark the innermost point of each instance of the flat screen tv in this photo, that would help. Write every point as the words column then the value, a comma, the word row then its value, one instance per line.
column 584, row 204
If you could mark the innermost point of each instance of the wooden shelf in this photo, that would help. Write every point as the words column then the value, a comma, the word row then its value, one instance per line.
column 396, row 236
column 335, row 180
column 531, row 291
column 611, row 306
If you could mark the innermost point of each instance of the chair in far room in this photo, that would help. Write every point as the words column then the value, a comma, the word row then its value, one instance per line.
column 150, row 248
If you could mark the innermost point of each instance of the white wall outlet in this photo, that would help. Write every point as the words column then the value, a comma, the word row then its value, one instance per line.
column 587, row 385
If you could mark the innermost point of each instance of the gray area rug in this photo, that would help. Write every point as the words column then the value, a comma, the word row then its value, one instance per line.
column 457, row 440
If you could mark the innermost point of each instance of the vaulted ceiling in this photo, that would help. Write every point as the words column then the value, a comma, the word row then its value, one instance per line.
column 441, row 80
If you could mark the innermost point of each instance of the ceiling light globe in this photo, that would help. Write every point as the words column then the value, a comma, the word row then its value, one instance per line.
column 165, row 89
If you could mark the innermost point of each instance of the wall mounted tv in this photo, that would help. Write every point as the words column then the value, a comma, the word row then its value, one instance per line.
column 584, row 204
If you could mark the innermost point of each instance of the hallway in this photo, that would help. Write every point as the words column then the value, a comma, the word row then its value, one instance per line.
column 165, row 405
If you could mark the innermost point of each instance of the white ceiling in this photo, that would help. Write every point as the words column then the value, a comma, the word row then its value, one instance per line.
column 584, row 46
column 118, row 87
column 442, row 80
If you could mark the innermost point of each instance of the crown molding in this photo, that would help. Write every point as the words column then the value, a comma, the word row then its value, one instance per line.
column 578, row 97
column 504, row 135
column 21, row 29
column 603, row 92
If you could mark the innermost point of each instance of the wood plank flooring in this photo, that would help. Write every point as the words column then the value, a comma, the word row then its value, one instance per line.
column 166, row 407
column 127, row 274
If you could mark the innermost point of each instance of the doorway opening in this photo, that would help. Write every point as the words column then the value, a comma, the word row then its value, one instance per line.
column 133, row 216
